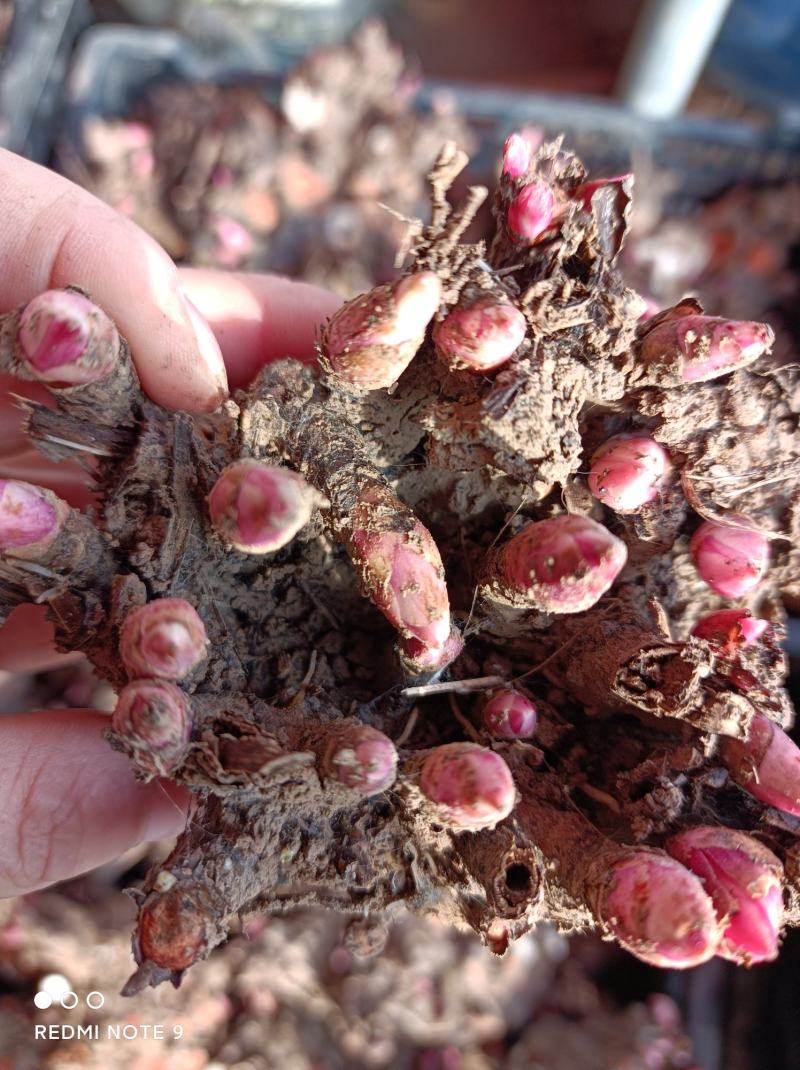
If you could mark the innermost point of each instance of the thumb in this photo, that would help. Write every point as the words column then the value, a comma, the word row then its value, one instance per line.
column 70, row 803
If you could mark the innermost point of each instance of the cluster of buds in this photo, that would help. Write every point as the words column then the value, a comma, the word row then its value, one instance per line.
column 628, row 471
column 766, row 764
column 561, row 565
column 697, row 348
column 402, row 572
column 257, row 507
column 731, row 557
column 30, row 518
column 730, row 630
column 154, row 720
column 510, row 715
column 481, row 334
column 371, row 340
column 360, row 757
column 744, row 880
column 469, row 786
column 67, row 340
column 165, row 638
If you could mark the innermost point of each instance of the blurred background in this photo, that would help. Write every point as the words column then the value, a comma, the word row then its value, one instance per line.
column 269, row 135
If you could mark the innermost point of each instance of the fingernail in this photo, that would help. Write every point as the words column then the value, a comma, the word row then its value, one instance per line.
column 210, row 354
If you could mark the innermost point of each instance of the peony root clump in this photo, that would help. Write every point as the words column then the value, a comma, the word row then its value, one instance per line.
column 481, row 618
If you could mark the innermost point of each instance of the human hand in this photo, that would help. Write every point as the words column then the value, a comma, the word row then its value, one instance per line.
column 69, row 802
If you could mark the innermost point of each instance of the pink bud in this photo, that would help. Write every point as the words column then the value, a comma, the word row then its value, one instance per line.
column 628, row 471
column 153, row 718
column 659, row 911
column 257, row 507
column 509, row 715
column 743, row 879
column 471, row 786
column 731, row 558
column 164, row 638
column 766, row 764
column 532, row 211
column 29, row 515
column 67, row 339
column 234, row 242
column 363, row 758
column 480, row 336
column 517, row 152
column 587, row 190
column 401, row 570
column 706, row 346
column 372, row 339
column 730, row 629
column 564, row 564
column 420, row 658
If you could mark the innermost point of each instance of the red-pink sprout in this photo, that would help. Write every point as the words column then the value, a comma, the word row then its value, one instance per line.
column 419, row 658
column 744, row 880
column 517, row 152
column 532, row 211
column 164, row 638
column 730, row 629
column 562, row 565
column 766, row 764
column 659, row 911
column 628, row 471
column 30, row 516
column 154, row 719
column 66, row 339
column 470, row 786
column 372, row 339
column 402, row 572
column 257, row 507
column 481, row 335
column 363, row 759
column 510, row 715
column 704, row 347
column 731, row 558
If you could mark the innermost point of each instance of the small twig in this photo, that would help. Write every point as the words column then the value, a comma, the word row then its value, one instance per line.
column 80, row 446
column 312, row 668
column 456, row 687
column 462, row 720
column 405, row 735
column 600, row 796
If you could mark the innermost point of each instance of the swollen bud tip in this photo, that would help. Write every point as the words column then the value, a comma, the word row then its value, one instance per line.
column 510, row 715
column 470, row 786
column 165, row 638
column 561, row 565
column 362, row 758
column 480, row 336
column 258, row 508
column 67, row 339
column 659, row 911
column 628, row 471
column 30, row 516
column 766, row 764
column 744, row 880
column 731, row 558
column 401, row 570
column 703, row 347
column 154, row 719
column 730, row 629
column 532, row 211
column 372, row 339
